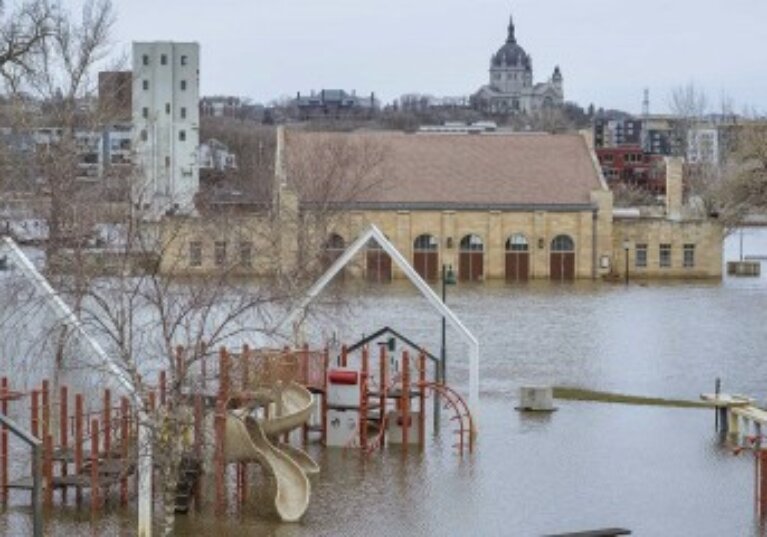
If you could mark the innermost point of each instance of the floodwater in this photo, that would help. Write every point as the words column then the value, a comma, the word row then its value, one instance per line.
column 656, row 471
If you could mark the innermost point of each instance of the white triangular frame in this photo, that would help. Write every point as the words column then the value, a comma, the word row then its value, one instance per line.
column 361, row 242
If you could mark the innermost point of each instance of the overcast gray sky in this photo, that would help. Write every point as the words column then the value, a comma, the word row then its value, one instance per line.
column 608, row 50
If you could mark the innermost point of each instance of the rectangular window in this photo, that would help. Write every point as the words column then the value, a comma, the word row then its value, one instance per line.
column 183, row 112
column 167, row 108
column 182, row 136
column 167, row 161
column 163, row 59
column 145, row 59
column 689, row 255
column 145, row 84
column 183, row 59
column 246, row 254
column 183, row 85
column 640, row 256
column 220, row 253
column 665, row 256
column 144, row 135
column 145, row 112
column 195, row 254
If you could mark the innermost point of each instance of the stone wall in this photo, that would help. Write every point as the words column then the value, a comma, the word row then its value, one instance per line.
column 707, row 237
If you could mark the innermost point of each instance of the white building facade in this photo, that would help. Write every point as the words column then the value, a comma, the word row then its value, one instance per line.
column 511, row 88
column 165, row 113
column 703, row 145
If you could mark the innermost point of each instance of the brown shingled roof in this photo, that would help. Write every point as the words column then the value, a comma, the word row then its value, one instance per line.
column 454, row 171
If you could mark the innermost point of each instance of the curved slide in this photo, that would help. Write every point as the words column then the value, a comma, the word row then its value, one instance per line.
column 246, row 440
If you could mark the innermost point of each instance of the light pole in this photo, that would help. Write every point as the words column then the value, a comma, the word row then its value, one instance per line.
column 626, row 246
column 448, row 278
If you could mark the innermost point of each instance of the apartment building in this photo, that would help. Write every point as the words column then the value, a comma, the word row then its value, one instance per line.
column 165, row 100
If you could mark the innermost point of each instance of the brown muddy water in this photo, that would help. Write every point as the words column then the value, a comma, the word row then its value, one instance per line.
column 656, row 471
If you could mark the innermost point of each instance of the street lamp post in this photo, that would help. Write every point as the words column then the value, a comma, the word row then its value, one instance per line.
column 448, row 278
column 626, row 246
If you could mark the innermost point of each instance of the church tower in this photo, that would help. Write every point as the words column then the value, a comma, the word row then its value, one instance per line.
column 511, row 68
column 511, row 89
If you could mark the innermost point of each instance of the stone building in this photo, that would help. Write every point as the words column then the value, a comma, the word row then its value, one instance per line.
column 511, row 88
column 513, row 207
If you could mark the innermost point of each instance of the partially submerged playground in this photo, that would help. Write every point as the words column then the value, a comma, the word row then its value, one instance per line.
column 267, row 406
column 240, row 408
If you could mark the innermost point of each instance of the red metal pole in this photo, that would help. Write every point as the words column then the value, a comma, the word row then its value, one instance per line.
column 95, row 492
column 242, row 485
column 124, row 445
column 382, row 396
column 422, row 399
column 762, row 483
column 107, row 423
column 79, row 441
column 36, row 413
column 324, row 408
column 198, row 448
column 344, row 356
column 4, row 443
column 64, row 434
column 364, row 400
column 220, row 463
column 405, row 401
column 46, row 408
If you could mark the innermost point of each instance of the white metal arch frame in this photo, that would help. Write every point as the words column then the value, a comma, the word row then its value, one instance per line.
column 361, row 242
column 69, row 319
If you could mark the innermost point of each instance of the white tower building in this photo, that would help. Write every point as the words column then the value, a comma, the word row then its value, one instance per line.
column 166, row 92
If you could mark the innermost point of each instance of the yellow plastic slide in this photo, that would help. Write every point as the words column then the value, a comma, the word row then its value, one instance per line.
column 247, row 440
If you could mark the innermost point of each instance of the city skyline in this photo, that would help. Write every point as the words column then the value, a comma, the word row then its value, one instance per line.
column 608, row 54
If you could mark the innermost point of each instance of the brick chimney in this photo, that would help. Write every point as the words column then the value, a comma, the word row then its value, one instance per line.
column 674, row 189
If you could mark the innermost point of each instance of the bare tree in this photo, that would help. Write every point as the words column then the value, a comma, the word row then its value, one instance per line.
column 692, row 139
column 745, row 191
column 331, row 172
column 630, row 195
column 24, row 28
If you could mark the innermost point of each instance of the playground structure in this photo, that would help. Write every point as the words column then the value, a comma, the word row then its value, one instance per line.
column 244, row 408
column 248, row 419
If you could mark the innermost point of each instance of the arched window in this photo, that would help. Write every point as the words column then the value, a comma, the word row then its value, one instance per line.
column 472, row 243
column 332, row 249
column 516, row 243
column 425, row 243
column 335, row 242
column 471, row 258
column 562, row 243
column 426, row 256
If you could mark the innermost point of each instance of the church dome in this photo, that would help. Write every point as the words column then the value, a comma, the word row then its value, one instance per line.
column 511, row 54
